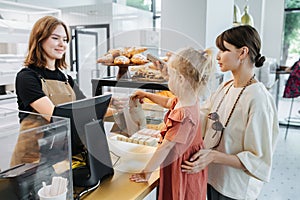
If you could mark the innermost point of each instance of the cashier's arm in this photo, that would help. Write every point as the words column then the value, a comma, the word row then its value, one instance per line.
column 44, row 106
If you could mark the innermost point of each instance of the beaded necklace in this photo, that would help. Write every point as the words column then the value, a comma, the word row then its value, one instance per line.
column 234, row 105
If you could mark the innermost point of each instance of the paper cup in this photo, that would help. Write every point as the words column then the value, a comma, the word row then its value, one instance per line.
column 62, row 196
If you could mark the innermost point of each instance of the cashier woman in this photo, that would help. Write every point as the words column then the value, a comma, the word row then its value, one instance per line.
column 42, row 84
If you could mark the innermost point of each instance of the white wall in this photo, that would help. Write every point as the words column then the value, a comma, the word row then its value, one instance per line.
column 219, row 17
column 183, row 24
column 268, row 16
column 194, row 23
column 130, row 27
column 273, row 24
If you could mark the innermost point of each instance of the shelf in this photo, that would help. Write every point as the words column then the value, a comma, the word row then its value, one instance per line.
column 98, row 83
column 10, row 64
column 16, row 20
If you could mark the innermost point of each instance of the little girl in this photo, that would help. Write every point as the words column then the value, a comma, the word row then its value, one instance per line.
column 189, row 71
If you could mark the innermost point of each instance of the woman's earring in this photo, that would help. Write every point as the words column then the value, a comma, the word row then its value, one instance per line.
column 241, row 61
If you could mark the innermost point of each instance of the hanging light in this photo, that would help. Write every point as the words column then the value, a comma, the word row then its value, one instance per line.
column 246, row 18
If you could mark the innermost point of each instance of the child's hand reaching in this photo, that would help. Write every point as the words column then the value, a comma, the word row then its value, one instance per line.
column 140, row 95
column 140, row 177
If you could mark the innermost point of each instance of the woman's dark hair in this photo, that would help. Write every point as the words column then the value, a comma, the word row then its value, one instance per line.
column 240, row 36
column 42, row 30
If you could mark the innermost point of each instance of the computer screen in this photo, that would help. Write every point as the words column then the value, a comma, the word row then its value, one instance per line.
column 80, row 113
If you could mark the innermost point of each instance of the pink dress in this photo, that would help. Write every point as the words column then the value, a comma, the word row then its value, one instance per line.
column 182, row 127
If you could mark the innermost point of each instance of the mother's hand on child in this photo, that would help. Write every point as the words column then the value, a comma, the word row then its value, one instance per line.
column 198, row 161
column 140, row 177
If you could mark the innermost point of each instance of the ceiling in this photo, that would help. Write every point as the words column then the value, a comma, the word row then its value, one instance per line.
column 59, row 3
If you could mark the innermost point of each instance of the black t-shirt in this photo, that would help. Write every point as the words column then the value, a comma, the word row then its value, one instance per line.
column 29, row 86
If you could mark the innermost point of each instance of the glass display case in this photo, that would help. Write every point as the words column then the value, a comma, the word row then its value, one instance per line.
column 33, row 154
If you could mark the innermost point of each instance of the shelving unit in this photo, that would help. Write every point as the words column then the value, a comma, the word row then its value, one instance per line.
column 16, row 21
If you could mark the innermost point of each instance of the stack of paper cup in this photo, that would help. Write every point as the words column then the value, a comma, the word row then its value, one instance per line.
column 56, row 191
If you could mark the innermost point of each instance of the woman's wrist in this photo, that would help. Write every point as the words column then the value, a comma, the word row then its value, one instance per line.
column 214, row 156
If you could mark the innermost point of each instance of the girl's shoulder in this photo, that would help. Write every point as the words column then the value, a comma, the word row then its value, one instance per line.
column 181, row 114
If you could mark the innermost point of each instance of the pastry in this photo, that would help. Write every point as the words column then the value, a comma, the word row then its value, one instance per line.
column 115, row 52
column 136, row 50
column 148, row 74
column 151, row 65
column 139, row 59
column 107, row 58
column 126, row 51
column 121, row 60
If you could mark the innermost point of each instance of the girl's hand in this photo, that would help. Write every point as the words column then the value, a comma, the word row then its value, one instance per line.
column 140, row 95
column 198, row 161
column 140, row 177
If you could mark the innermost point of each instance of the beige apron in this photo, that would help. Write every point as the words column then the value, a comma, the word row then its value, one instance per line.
column 27, row 148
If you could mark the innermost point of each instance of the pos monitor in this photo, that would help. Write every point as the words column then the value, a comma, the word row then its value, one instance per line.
column 88, row 138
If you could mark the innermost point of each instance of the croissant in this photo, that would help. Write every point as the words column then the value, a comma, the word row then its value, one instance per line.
column 139, row 59
column 107, row 58
column 115, row 52
column 121, row 60
column 136, row 50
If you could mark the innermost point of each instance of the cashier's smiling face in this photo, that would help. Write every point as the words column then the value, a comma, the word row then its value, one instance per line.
column 55, row 46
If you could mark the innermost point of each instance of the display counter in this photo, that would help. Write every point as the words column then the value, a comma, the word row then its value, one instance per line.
column 33, row 154
column 131, row 158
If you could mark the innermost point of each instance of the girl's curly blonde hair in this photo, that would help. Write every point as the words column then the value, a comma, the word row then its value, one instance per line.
column 197, row 66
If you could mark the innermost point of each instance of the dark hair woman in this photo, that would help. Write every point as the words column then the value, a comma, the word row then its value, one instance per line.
column 241, row 125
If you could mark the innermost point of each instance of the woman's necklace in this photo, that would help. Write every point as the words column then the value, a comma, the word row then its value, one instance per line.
column 237, row 99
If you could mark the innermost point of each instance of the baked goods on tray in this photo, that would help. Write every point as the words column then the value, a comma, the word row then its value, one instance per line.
column 144, row 136
column 116, row 56
column 145, row 74
column 143, row 68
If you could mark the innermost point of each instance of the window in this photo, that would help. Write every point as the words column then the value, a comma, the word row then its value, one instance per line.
column 153, row 6
column 141, row 4
column 291, row 40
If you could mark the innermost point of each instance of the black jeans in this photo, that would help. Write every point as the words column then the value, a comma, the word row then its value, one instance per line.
column 213, row 194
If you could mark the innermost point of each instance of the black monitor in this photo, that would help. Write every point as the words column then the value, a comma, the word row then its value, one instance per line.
column 87, row 134
column 80, row 113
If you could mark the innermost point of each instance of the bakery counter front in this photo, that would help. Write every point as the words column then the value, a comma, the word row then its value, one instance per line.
column 128, row 157
column 34, row 156
column 47, row 159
